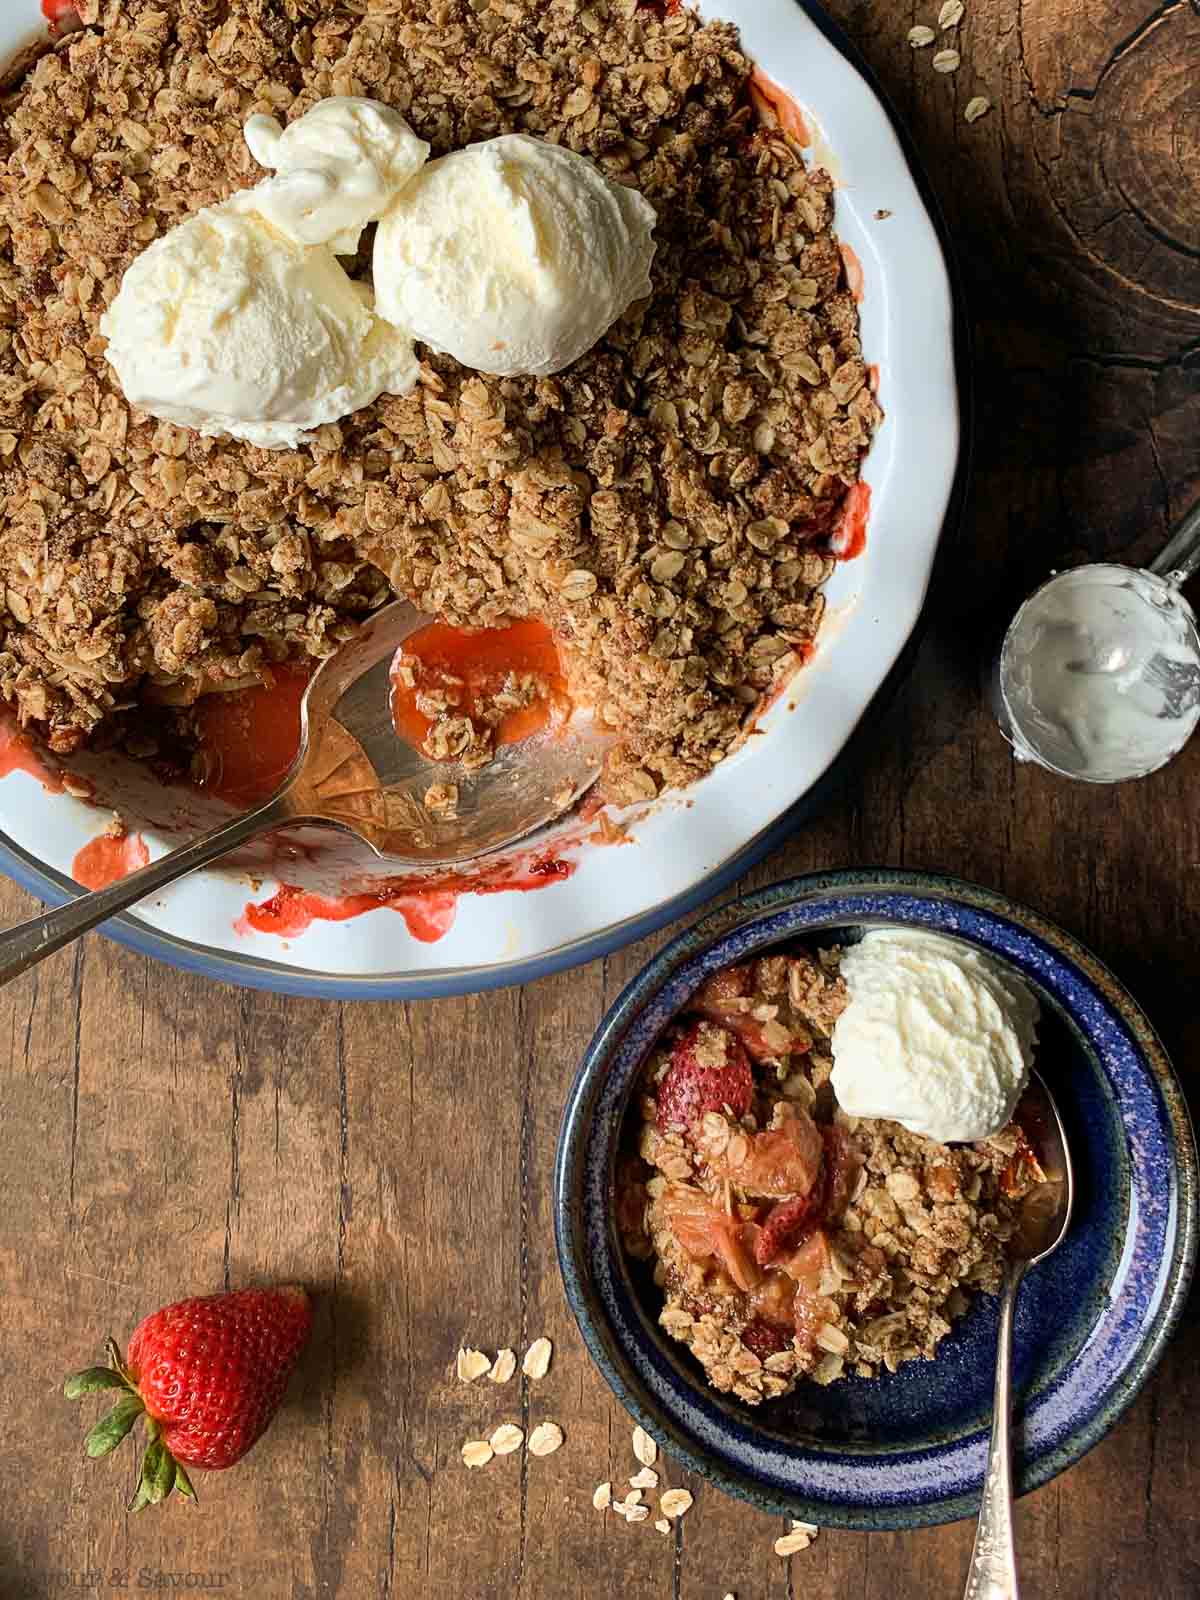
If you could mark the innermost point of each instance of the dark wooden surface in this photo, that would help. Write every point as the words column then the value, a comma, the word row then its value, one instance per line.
column 161, row 1135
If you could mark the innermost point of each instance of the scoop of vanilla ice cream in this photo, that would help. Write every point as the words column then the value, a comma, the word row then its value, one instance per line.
column 337, row 167
column 513, row 256
column 226, row 326
column 934, row 1036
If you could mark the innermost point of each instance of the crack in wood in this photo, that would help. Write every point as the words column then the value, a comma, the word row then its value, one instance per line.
column 1088, row 93
column 525, row 1167
column 1152, row 227
column 76, row 1056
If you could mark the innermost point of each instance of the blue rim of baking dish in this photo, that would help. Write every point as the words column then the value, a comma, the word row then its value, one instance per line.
column 877, row 1488
column 257, row 972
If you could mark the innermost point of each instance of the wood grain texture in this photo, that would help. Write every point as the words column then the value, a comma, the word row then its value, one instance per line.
column 162, row 1135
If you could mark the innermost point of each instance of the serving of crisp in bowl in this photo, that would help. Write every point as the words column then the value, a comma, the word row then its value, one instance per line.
column 833, row 1359
column 714, row 509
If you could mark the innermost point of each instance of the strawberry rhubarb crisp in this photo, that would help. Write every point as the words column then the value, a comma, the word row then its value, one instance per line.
column 790, row 1240
column 665, row 504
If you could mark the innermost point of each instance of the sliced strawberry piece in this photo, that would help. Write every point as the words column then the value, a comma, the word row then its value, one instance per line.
column 725, row 987
column 807, row 1263
column 810, row 1308
column 765, row 1338
column 708, row 1072
column 705, row 1230
column 783, row 1163
column 62, row 16
column 785, row 1223
column 725, row 999
column 728, row 998
column 843, row 1162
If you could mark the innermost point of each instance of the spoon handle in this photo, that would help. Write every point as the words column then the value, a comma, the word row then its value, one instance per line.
column 30, row 942
column 1180, row 556
column 993, row 1570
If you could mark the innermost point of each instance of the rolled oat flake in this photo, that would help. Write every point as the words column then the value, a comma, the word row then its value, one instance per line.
column 644, row 1447
column 471, row 1364
column 537, row 1359
column 545, row 1439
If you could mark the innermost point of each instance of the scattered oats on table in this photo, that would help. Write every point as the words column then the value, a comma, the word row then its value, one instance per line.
column 644, row 1447
column 675, row 1502
column 503, row 1367
column 663, row 504
column 920, row 36
column 472, row 1364
column 537, row 1359
column 602, row 1496
column 646, row 1478
column 951, row 14
column 946, row 61
column 792, row 1543
column 477, row 1453
column 545, row 1439
column 977, row 107
column 507, row 1438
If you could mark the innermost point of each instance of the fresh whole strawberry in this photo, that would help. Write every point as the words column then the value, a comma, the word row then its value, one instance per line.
column 709, row 1071
column 207, row 1375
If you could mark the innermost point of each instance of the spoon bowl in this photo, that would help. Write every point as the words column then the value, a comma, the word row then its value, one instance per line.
column 353, row 772
column 1045, row 1213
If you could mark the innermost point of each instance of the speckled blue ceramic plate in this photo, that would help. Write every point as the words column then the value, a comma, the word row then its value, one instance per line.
column 908, row 1449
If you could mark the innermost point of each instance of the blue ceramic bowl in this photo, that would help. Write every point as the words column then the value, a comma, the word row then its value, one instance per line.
column 908, row 1449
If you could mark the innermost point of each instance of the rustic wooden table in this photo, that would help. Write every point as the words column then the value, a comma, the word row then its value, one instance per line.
column 161, row 1135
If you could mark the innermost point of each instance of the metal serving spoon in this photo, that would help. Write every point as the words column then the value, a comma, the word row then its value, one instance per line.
column 354, row 773
column 1041, row 1226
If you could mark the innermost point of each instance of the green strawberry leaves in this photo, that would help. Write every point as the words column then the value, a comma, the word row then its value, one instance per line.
column 93, row 1378
column 160, row 1472
column 158, row 1476
column 111, row 1429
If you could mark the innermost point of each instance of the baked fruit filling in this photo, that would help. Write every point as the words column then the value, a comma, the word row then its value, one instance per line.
column 789, row 1240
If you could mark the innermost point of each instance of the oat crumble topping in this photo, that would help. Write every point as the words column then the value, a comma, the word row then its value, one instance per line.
column 662, row 505
column 890, row 1237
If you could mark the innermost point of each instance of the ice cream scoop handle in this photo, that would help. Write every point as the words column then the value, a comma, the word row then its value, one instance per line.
column 30, row 942
column 1180, row 556
column 993, row 1570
